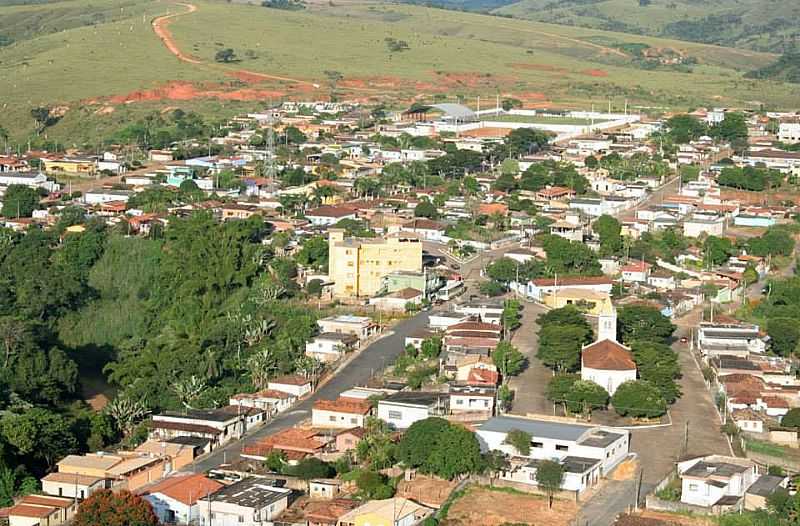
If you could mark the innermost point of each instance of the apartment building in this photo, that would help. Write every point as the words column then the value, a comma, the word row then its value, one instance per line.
column 357, row 266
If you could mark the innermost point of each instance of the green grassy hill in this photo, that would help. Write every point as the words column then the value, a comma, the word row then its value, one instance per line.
column 344, row 49
column 765, row 25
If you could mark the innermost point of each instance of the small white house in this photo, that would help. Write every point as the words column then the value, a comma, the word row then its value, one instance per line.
column 402, row 409
column 715, row 480
column 174, row 499
column 636, row 272
column 697, row 226
column 293, row 384
column 342, row 413
column 330, row 346
column 71, row 485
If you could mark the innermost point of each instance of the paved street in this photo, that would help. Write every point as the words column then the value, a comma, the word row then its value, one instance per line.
column 529, row 387
column 357, row 372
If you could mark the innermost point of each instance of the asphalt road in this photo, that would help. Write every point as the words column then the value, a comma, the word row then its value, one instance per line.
column 357, row 372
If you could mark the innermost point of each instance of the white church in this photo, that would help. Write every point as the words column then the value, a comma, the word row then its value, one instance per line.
column 607, row 362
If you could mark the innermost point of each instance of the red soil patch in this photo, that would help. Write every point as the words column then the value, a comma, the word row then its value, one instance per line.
column 188, row 91
column 487, row 132
column 530, row 96
column 595, row 73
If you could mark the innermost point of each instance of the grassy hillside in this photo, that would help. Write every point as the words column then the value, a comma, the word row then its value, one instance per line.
column 102, row 75
column 766, row 25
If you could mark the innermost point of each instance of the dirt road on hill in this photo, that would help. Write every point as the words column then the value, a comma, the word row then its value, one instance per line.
column 160, row 27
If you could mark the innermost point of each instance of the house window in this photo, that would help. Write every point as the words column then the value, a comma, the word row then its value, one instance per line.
column 353, row 420
column 332, row 418
column 560, row 447
column 459, row 401
column 241, row 518
column 692, row 487
column 537, row 444
column 395, row 415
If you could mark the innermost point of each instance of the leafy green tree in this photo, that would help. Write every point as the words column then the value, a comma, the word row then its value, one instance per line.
column 38, row 434
column 314, row 253
column 431, row 347
column 642, row 322
column 426, row 209
column 784, row 335
column 374, row 485
column 639, row 399
column 503, row 269
column 492, row 288
column 684, row 128
column 792, row 418
column 591, row 162
column 567, row 315
column 311, row 468
column 276, row 461
column 584, row 396
column 549, row 477
column 776, row 241
column 519, row 440
column 560, row 346
column 609, row 230
column 525, row 141
column 190, row 191
column 658, row 364
column 456, row 452
column 20, row 201
column 567, row 257
column 717, row 250
column 750, row 275
column 508, row 359
column 437, row 447
column 732, row 128
column 559, row 386
column 225, row 55
column 108, row 508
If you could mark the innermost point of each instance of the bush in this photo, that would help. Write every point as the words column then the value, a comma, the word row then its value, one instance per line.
column 639, row 399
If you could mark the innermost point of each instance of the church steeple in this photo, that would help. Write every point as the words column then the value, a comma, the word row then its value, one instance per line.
column 607, row 323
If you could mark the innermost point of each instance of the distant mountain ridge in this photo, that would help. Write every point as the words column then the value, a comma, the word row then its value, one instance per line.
column 761, row 25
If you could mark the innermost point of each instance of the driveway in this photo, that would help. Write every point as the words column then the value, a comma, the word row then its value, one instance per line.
column 357, row 372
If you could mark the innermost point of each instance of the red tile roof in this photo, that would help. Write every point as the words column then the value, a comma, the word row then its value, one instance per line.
column 24, row 510
column 290, row 379
column 344, row 405
column 186, row 489
column 329, row 511
column 608, row 355
column 474, row 326
column 480, row 377
column 330, row 211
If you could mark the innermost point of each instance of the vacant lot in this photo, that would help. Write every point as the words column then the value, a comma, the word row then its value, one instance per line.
column 489, row 507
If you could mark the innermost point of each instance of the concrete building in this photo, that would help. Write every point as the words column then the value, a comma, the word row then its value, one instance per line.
column 789, row 132
column 586, row 452
column 361, row 327
column 357, row 266
column 343, row 413
column 716, row 480
column 697, row 226
column 249, row 502
column 330, row 346
column 397, row 511
column 402, row 409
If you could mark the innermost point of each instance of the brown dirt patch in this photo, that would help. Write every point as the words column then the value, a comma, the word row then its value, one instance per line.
column 487, row 132
column 188, row 91
column 426, row 490
column 684, row 520
column 595, row 72
column 493, row 508
column 626, row 471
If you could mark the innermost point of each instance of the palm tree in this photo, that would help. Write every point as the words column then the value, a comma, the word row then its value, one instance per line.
column 189, row 390
column 126, row 412
column 259, row 365
column 212, row 366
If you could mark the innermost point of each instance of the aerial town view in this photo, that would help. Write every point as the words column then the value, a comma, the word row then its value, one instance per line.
column 399, row 262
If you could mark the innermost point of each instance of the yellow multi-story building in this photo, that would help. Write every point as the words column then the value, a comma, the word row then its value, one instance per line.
column 357, row 265
column 77, row 166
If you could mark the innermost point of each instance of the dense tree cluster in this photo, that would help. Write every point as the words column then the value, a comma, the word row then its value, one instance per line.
column 562, row 334
column 440, row 448
column 750, row 178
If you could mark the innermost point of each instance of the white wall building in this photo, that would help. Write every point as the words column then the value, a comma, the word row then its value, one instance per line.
column 249, row 502
column 705, row 481
column 402, row 409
